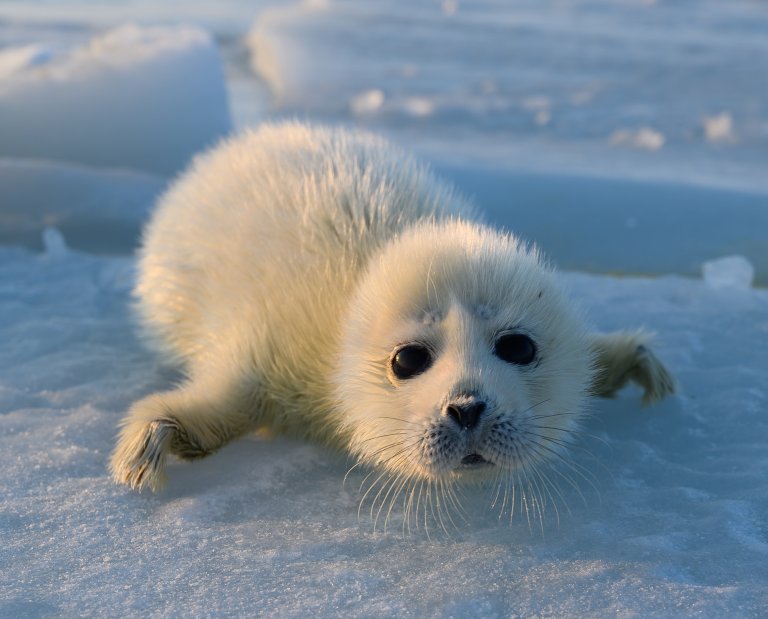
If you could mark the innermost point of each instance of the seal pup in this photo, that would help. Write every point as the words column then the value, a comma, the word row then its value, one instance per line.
column 324, row 284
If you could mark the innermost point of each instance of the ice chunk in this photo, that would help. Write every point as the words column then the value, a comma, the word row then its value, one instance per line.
column 719, row 128
column 450, row 7
column 728, row 272
column 419, row 107
column 139, row 97
column 96, row 210
column 18, row 59
column 55, row 244
column 644, row 138
column 367, row 102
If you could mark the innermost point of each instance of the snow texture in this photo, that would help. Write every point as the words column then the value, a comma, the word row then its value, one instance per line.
column 528, row 107
column 677, row 526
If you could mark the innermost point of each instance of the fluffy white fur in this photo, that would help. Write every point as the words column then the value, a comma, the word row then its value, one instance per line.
column 285, row 270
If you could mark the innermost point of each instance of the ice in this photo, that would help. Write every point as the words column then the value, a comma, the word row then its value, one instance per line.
column 367, row 102
column 418, row 106
column 145, row 98
column 644, row 138
column 16, row 60
column 449, row 6
column 54, row 243
column 633, row 89
column 719, row 128
column 374, row 101
column 96, row 210
column 595, row 224
column 729, row 272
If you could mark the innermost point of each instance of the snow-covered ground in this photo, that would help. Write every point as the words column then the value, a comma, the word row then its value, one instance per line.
column 678, row 527
column 626, row 136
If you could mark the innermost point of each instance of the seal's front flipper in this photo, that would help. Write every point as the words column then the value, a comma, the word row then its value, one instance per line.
column 190, row 422
column 625, row 356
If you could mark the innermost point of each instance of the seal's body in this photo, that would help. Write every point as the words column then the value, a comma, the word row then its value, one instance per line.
column 323, row 283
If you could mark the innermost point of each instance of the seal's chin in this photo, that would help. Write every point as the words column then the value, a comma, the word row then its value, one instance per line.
column 474, row 461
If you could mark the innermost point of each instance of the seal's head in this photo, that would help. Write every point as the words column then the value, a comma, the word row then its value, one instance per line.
column 461, row 357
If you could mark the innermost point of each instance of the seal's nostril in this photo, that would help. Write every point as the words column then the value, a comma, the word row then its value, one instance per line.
column 466, row 415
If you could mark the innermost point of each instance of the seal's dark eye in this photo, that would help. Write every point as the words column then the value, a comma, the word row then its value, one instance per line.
column 515, row 348
column 411, row 360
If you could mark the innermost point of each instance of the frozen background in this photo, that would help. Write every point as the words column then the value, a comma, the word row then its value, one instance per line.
column 628, row 137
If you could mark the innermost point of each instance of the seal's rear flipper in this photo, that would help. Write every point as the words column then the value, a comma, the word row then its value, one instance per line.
column 625, row 356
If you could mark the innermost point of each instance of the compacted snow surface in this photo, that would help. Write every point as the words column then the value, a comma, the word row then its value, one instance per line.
column 677, row 527
column 670, row 517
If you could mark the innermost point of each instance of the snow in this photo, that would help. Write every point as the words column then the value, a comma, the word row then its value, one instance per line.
column 157, row 92
column 516, row 103
column 677, row 528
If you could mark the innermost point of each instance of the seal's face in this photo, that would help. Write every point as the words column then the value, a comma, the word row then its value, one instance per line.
column 465, row 378
column 461, row 358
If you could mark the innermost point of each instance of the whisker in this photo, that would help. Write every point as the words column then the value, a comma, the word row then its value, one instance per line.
column 547, row 493
column 497, row 485
column 354, row 466
column 450, row 500
column 362, row 483
column 418, row 501
column 550, row 415
column 566, row 445
column 415, row 423
column 530, row 408
column 411, row 445
column 394, row 481
column 440, row 506
column 508, row 484
column 367, row 492
column 378, row 436
column 570, row 465
column 568, row 432
column 406, row 478
column 545, row 479
column 524, row 503
column 408, row 504
column 536, row 498
column 385, row 485
column 513, row 489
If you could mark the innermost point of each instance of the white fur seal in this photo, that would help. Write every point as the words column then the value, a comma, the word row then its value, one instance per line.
column 322, row 283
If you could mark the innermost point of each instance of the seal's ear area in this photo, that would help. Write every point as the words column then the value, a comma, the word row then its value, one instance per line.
column 625, row 356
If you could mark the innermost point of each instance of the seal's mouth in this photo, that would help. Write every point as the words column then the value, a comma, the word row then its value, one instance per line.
column 473, row 460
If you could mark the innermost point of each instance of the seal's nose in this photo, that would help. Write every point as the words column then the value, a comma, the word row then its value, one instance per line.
column 466, row 415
